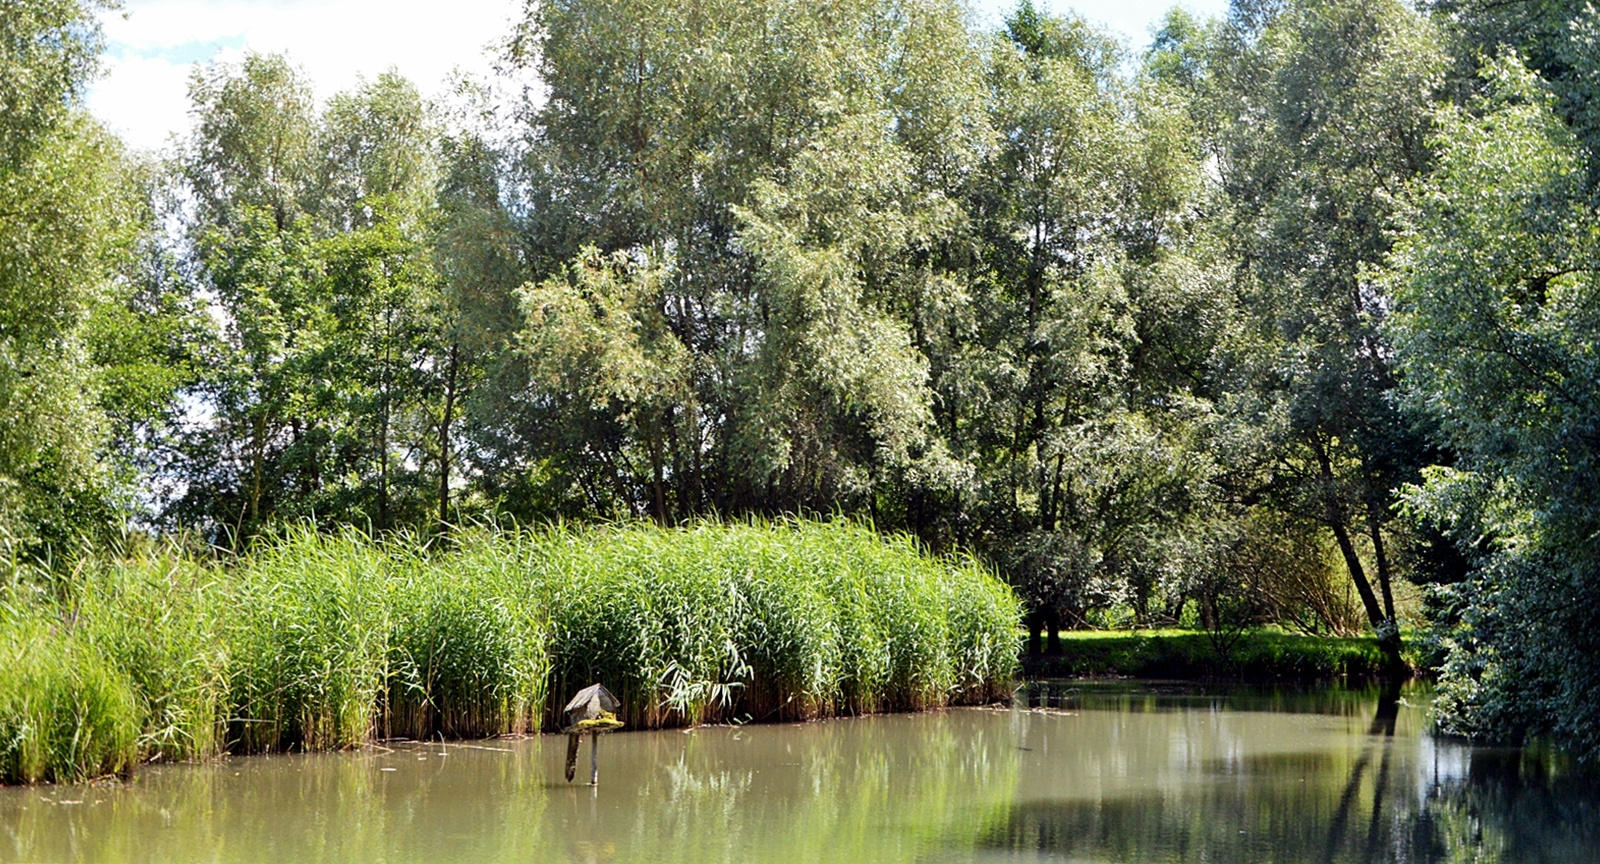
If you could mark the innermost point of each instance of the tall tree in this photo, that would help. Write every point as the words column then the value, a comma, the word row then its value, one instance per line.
column 1318, row 115
column 313, row 234
column 1068, row 382
column 250, row 168
column 481, row 261
column 785, row 168
column 1497, row 287
column 71, row 217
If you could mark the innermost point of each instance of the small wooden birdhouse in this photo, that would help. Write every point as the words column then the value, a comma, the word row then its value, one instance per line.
column 593, row 711
column 591, row 703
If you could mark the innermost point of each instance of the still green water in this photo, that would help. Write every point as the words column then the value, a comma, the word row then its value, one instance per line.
column 1113, row 774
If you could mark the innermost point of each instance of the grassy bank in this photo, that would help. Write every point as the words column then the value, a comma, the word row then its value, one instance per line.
column 319, row 642
column 1182, row 654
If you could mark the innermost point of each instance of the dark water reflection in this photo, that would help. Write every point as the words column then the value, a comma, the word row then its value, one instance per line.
column 1247, row 776
column 1110, row 774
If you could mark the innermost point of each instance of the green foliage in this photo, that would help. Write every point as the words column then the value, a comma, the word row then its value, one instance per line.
column 1317, row 113
column 1496, row 292
column 69, row 220
column 65, row 712
column 1256, row 655
column 793, row 620
column 758, row 259
column 314, row 236
column 48, row 51
column 468, row 652
column 1145, row 337
column 779, row 179
column 1554, row 38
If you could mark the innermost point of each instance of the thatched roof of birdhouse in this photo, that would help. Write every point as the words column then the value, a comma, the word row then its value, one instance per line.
column 591, row 694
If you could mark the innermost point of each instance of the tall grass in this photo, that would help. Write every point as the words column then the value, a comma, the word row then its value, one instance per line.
column 308, row 627
column 324, row 641
column 65, row 713
column 152, row 616
column 789, row 620
column 467, row 654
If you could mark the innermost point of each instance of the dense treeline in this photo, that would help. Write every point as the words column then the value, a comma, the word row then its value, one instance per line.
column 1269, row 321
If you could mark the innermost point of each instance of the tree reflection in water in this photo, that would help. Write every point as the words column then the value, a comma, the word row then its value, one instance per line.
column 1390, row 795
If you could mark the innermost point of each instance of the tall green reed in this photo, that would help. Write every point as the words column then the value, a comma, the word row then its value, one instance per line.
column 65, row 712
column 791, row 619
column 307, row 628
column 322, row 641
column 467, row 650
column 154, row 616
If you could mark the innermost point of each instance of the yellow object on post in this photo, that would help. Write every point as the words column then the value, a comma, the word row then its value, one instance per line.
column 592, row 711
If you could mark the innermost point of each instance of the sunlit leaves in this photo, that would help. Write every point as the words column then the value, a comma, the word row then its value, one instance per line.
column 1497, row 307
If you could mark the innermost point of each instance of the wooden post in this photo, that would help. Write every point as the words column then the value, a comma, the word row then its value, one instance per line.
column 590, row 711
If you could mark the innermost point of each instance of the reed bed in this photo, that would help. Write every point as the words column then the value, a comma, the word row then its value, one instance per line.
column 153, row 619
column 316, row 641
column 65, row 712
column 467, row 653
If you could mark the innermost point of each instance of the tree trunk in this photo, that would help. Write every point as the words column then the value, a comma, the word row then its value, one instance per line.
column 697, row 478
column 658, row 488
column 444, row 437
column 383, row 423
column 1388, row 635
column 258, row 458
column 1352, row 562
column 1375, row 531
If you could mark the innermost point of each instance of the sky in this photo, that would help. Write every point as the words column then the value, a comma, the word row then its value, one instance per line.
column 152, row 45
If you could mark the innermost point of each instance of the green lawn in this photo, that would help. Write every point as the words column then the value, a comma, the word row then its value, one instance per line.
column 1263, row 654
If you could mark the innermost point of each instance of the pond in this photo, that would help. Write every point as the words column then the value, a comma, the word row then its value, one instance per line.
column 1112, row 773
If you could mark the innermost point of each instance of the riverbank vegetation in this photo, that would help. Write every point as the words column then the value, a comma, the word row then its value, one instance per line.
column 1255, row 656
column 1258, row 324
column 311, row 641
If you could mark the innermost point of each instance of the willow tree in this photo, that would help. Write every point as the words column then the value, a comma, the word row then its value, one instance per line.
column 1317, row 115
column 1071, row 380
column 71, row 215
column 784, row 170
column 1497, row 287
column 312, row 231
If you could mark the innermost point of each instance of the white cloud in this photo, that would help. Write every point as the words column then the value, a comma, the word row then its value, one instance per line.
column 153, row 45
column 142, row 99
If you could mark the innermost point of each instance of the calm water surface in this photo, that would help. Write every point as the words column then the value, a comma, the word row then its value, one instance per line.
column 1116, row 774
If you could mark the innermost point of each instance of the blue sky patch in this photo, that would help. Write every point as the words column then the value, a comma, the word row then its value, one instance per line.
column 199, row 51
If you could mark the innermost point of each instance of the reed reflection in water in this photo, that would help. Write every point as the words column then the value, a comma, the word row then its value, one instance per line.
column 1124, row 773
